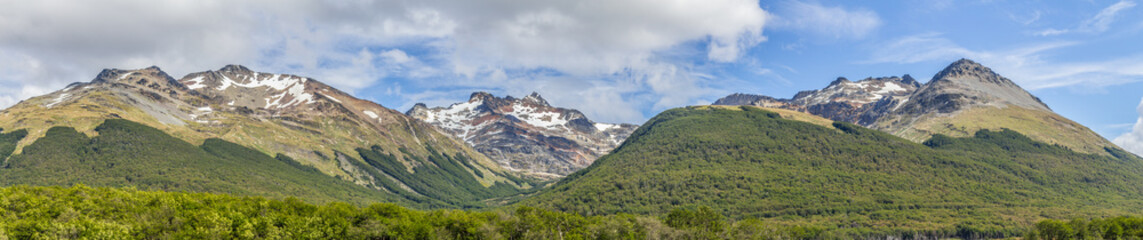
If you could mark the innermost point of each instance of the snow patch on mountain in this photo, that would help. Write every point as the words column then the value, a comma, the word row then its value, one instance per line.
column 58, row 100
column 226, row 82
column 536, row 118
column 196, row 83
column 605, row 126
column 125, row 75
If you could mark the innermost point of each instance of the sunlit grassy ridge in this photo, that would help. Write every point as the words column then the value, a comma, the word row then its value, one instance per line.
column 751, row 162
column 1039, row 125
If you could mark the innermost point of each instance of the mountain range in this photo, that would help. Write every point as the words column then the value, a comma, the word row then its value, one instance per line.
column 957, row 101
column 967, row 154
column 300, row 118
column 526, row 133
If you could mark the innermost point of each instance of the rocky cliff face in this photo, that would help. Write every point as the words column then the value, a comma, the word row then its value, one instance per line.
column 526, row 133
column 962, row 98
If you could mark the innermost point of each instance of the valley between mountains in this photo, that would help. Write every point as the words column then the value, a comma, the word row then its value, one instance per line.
column 966, row 154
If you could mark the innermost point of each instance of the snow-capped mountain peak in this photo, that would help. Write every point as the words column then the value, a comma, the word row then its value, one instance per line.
column 526, row 133
column 254, row 89
column 858, row 93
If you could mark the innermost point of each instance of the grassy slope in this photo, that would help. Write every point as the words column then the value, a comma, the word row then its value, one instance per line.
column 1039, row 125
column 130, row 154
column 126, row 153
column 314, row 144
column 755, row 163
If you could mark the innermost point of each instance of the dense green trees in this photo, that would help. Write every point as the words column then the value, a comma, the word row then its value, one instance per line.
column 126, row 154
column 847, row 180
column 8, row 142
column 1099, row 228
column 82, row 212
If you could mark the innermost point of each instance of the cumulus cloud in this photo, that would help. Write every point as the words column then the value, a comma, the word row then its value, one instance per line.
column 597, row 36
column 829, row 21
column 1133, row 141
column 354, row 44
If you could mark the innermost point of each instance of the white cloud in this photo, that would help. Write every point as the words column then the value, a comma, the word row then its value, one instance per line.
column 835, row 22
column 74, row 40
column 919, row 48
column 1133, row 141
column 1026, row 20
column 397, row 56
column 1101, row 21
column 1097, row 24
column 1027, row 66
column 1051, row 32
column 597, row 36
column 354, row 44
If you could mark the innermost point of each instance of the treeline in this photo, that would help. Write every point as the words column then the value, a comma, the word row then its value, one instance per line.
column 1099, row 228
column 81, row 212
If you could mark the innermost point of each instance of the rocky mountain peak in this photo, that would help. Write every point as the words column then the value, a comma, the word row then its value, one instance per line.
column 150, row 78
column 526, row 133
column 236, row 85
column 536, row 98
column 975, row 84
column 962, row 98
column 839, row 80
column 965, row 69
column 419, row 106
column 857, row 94
column 419, row 111
column 480, row 96
column 235, row 68
column 906, row 79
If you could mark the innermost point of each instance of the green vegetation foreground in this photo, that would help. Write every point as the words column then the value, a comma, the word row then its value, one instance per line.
column 82, row 212
column 1100, row 228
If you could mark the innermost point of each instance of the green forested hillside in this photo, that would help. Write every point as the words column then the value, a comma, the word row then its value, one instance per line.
column 128, row 154
column 751, row 163
column 8, row 142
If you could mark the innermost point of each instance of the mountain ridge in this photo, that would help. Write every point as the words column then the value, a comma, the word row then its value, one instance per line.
column 296, row 116
column 526, row 133
column 962, row 98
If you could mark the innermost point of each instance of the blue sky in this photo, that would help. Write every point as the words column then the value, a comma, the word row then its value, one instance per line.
column 1056, row 49
column 617, row 61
